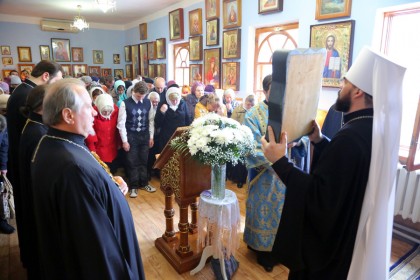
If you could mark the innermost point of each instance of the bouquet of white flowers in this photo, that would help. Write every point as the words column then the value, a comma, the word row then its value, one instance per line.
column 215, row 140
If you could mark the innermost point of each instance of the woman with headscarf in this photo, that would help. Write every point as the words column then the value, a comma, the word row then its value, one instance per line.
column 119, row 91
column 4, row 97
column 238, row 173
column 185, row 91
column 94, row 92
column 154, row 99
column 106, row 140
column 197, row 91
column 171, row 114
column 229, row 101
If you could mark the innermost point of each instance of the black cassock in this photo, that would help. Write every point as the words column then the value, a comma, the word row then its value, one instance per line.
column 31, row 133
column 169, row 121
column 15, row 122
column 85, row 226
column 321, row 212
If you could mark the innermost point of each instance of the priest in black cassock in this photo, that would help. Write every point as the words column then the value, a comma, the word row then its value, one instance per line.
column 45, row 72
column 85, row 226
column 320, row 220
column 32, row 132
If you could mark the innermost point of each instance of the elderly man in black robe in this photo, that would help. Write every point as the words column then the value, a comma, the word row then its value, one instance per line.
column 320, row 219
column 85, row 226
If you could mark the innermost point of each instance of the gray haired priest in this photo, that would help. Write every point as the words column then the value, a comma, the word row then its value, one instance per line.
column 85, row 226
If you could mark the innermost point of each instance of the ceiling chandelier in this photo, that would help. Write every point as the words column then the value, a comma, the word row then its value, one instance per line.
column 106, row 5
column 79, row 22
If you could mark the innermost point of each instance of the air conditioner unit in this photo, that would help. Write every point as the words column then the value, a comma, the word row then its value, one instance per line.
column 56, row 25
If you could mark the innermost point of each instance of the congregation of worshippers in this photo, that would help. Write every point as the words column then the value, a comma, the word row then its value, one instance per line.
column 131, row 122
column 73, row 218
column 81, row 156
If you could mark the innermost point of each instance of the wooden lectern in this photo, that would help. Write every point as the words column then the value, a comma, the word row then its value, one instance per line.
column 185, row 178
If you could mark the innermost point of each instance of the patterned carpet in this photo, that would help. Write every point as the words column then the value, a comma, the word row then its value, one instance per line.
column 408, row 266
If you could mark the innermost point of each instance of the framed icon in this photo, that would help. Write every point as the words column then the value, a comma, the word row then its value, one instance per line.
column 196, row 73
column 161, row 48
column 135, row 59
column 5, row 50
column 196, row 48
column 143, row 31
column 161, row 70
column 25, row 67
column 270, row 6
column 144, row 62
column 212, row 34
column 196, row 22
column 332, row 9
column 119, row 73
column 7, row 61
column 176, row 24
column 230, row 78
column 232, row 13
column 232, row 44
column 94, row 71
column 60, row 49
column 6, row 72
column 116, row 58
column 106, row 72
column 98, row 56
column 67, row 70
column 44, row 51
column 128, row 71
column 151, row 50
column 337, row 39
column 212, row 67
column 24, row 54
column 127, row 53
column 152, row 71
column 212, row 9
column 80, row 70
column 77, row 54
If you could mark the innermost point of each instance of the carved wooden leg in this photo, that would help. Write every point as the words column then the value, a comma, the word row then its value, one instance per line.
column 184, row 249
column 194, row 216
column 169, row 212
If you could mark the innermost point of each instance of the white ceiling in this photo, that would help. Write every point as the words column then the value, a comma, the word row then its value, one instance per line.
column 127, row 11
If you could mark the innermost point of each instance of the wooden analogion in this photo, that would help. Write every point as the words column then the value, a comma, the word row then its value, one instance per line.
column 183, row 178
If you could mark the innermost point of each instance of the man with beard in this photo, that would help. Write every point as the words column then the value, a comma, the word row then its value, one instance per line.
column 320, row 219
column 84, row 223
column 45, row 72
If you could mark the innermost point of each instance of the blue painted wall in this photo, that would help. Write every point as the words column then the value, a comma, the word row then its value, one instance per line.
column 113, row 41
column 22, row 34
column 302, row 11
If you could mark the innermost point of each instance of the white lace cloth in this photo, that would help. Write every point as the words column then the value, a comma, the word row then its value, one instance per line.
column 219, row 222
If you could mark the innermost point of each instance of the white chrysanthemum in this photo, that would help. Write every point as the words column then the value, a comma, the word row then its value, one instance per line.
column 220, row 137
column 213, row 139
column 233, row 122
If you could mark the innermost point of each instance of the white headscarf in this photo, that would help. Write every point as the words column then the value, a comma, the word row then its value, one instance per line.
column 104, row 101
column 95, row 87
column 171, row 91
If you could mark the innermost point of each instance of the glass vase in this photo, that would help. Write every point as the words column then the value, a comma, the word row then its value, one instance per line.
column 218, row 181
